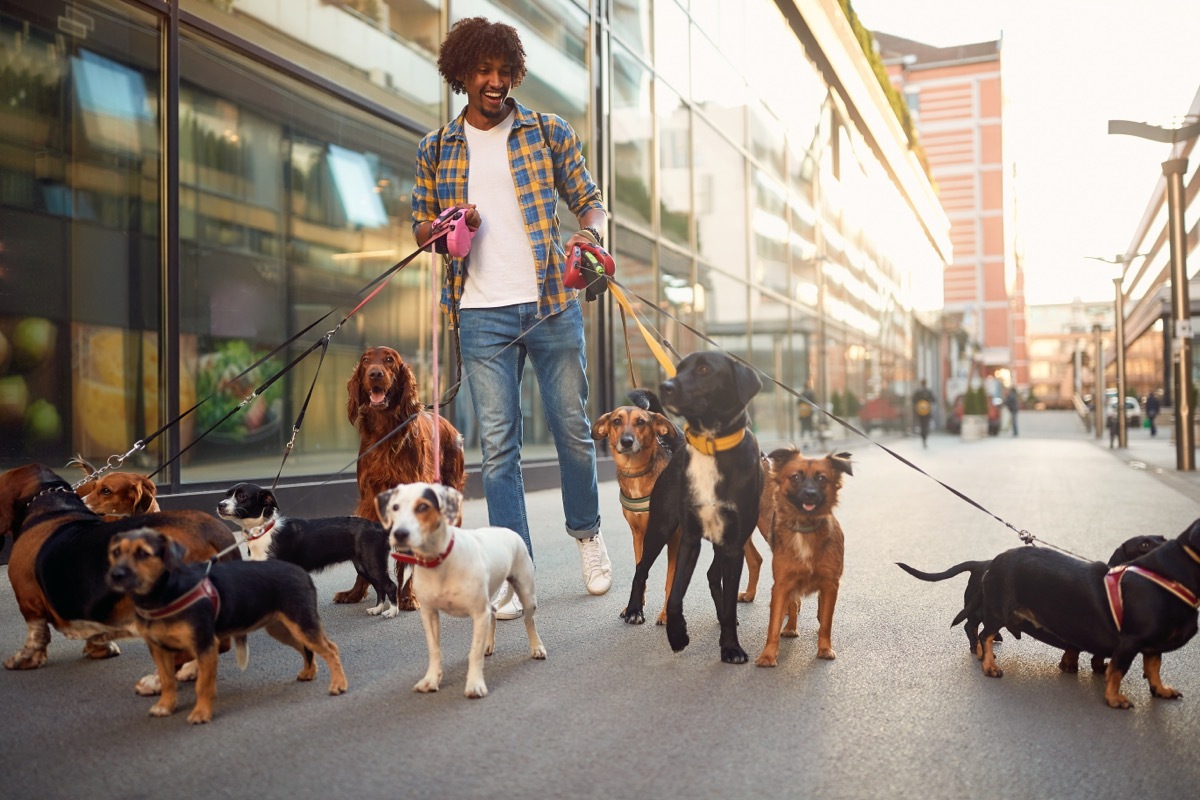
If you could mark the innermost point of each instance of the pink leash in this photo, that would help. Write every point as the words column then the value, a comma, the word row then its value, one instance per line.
column 433, row 335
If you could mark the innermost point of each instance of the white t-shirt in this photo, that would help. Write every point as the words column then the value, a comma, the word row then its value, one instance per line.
column 501, row 269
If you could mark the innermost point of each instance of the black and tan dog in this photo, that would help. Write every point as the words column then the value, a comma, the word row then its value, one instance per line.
column 709, row 490
column 1147, row 606
column 807, row 544
column 186, row 608
column 60, row 556
column 312, row 544
column 972, row 611
column 641, row 439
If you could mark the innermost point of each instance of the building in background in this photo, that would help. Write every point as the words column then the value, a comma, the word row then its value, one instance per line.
column 186, row 186
column 955, row 97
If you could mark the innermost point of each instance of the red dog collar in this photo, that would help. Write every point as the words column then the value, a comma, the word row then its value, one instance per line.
column 202, row 590
column 428, row 563
column 262, row 531
column 1112, row 587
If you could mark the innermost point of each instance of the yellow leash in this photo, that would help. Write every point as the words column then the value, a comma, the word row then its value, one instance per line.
column 655, row 347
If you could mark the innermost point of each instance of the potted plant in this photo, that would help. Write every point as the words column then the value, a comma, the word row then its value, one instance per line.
column 975, row 414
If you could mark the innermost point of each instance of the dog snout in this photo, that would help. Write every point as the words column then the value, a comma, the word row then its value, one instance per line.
column 119, row 576
column 398, row 538
column 667, row 390
column 626, row 442
column 375, row 373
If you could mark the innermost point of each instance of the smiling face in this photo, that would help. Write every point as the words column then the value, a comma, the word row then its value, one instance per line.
column 488, row 85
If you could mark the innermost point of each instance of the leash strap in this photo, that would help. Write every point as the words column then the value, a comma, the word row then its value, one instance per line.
column 287, row 450
column 618, row 292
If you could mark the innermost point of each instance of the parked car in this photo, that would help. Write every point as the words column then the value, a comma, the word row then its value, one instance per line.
column 954, row 420
column 1133, row 411
column 882, row 412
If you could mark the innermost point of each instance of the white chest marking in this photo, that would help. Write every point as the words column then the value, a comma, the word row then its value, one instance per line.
column 702, row 478
column 802, row 548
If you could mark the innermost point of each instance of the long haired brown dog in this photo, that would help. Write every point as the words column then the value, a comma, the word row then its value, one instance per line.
column 60, row 556
column 641, row 440
column 807, row 547
column 187, row 608
column 382, row 403
column 116, row 494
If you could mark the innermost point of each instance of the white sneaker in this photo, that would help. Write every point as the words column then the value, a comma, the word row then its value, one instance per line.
column 597, row 569
column 510, row 610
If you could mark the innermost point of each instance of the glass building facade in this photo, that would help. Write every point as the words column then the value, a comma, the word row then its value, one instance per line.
column 186, row 186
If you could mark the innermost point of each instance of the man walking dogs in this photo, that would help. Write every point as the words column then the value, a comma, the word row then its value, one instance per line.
column 507, row 166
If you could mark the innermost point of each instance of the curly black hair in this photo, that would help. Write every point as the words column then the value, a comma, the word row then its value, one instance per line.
column 474, row 39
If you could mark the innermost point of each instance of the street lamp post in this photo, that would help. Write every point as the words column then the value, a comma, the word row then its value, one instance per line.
column 1119, row 341
column 1098, row 381
column 1174, row 170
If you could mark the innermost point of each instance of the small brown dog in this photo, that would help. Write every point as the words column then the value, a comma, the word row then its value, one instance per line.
column 641, row 440
column 116, row 494
column 188, row 608
column 807, row 546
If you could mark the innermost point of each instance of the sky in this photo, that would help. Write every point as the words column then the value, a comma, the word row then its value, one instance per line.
column 1069, row 67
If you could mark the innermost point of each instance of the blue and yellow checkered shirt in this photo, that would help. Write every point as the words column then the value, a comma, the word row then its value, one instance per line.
column 541, row 170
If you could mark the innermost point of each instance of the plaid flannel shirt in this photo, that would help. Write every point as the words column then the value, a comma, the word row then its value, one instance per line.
column 541, row 170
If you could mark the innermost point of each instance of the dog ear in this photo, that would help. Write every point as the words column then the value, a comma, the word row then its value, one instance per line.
column 353, row 391
column 145, row 490
column 841, row 462
column 269, row 501
column 451, row 500
column 408, row 386
column 663, row 427
column 173, row 553
column 782, row 455
column 600, row 427
column 746, row 381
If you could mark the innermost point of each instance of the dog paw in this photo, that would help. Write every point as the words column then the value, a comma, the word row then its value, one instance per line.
column 538, row 652
column 733, row 655
column 26, row 659
column 765, row 660
column 391, row 612
column 307, row 672
column 426, row 685
column 409, row 603
column 1165, row 692
column 993, row 672
column 348, row 596
column 198, row 717
column 1118, row 701
column 148, row 685
column 633, row 616
column 476, row 690
column 337, row 687
column 101, row 650
column 161, row 710
column 187, row 673
column 677, row 635
column 826, row 653
column 789, row 633
column 375, row 611
column 746, row 597
column 662, row 618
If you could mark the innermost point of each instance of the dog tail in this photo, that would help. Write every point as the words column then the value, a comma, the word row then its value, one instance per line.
column 967, row 566
column 242, row 650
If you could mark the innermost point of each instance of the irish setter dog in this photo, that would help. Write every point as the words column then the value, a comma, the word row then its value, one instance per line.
column 382, row 398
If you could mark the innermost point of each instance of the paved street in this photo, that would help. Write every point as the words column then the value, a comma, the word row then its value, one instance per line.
column 903, row 712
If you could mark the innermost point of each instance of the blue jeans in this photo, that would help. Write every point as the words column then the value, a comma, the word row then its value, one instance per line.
column 494, row 361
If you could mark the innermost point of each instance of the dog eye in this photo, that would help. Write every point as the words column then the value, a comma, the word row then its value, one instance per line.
column 822, row 479
column 641, row 423
column 105, row 490
column 140, row 555
column 388, row 360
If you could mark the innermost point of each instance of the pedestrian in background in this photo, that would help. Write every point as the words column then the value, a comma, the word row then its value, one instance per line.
column 806, row 409
column 507, row 166
column 1152, row 408
column 1012, row 403
column 923, row 409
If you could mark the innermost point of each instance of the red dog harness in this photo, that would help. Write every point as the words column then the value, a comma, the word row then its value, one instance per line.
column 428, row 563
column 202, row 590
column 1112, row 587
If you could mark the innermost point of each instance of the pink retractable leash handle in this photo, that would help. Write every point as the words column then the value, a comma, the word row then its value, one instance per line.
column 456, row 240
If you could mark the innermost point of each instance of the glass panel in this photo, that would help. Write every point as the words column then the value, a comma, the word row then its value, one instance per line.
column 635, row 254
column 290, row 204
column 671, row 45
column 631, row 24
column 384, row 50
column 674, row 163
column 682, row 298
column 632, row 124
column 720, row 177
column 717, row 90
column 79, row 185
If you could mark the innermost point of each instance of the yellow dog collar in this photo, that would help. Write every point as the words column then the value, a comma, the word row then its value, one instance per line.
column 710, row 445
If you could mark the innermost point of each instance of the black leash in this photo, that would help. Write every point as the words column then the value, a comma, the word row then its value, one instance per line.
column 1024, row 535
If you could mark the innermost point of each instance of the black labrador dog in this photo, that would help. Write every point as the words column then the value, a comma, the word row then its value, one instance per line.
column 710, row 490
column 1149, row 608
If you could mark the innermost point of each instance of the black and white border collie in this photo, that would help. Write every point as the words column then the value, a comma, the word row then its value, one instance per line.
column 312, row 544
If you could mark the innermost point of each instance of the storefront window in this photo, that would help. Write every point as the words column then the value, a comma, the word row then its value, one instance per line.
column 632, row 135
column 81, row 278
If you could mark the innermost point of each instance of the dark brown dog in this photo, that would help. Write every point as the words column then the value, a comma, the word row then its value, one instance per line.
column 60, row 555
column 187, row 608
column 641, row 440
column 1065, row 602
column 396, row 443
column 116, row 494
column 807, row 545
